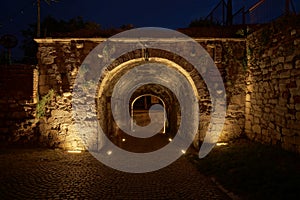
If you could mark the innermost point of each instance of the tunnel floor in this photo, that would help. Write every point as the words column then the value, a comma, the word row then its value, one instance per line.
column 56, row 174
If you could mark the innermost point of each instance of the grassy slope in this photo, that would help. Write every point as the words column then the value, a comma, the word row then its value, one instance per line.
column 253, row 171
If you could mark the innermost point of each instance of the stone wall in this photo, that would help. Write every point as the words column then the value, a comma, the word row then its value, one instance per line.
column 273, row 85
column 18, row 93
column 261, row 76
column 229, row 57
column 60, row 59
column 58, row 62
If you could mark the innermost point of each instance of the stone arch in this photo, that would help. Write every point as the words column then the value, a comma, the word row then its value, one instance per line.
column 128, row 61
column 172, row 106
column 132, row 59
column 161, row 102
column 66, row 55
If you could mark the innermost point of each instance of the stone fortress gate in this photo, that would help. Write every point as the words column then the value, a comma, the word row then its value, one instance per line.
column 260, row 73
column 59, row 63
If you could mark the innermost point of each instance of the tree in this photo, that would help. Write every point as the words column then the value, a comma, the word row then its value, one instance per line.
column 202, row 23
column 28, row 45
column 51, row 27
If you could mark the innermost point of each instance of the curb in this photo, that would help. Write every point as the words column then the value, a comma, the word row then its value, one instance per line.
column 229, row 193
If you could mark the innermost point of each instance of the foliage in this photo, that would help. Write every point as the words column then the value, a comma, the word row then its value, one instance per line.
column 243, row 32
column 49, row 1
column 52, row 27
column 202, row 23
column 29, row 46
column 265, row 36
column 252, row 170
column 41, row 105
column 3, row 56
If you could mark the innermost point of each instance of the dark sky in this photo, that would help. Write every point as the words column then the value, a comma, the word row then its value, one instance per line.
column 17, row 14
column 161, row 13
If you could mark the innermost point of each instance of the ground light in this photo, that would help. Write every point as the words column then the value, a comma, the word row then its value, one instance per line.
column 74, row 151
column 222, row 144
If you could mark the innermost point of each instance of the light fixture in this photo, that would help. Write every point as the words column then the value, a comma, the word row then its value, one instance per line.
column 183, row 151
column 109, row 153
column 74, row 151
column 170, row 139
column 123, row 140
column 222, row 144
column 146, row 54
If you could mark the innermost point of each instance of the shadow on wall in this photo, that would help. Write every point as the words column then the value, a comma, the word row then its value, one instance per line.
column 17, row 104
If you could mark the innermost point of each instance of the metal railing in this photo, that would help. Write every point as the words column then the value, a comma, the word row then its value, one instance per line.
column 218, row 13
column 263, row 11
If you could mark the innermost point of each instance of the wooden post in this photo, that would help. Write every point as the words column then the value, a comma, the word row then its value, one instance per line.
column 287, row 7
column 38, row 33
column 229, row 13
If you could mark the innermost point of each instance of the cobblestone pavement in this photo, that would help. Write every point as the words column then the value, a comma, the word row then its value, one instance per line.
column 56, row 174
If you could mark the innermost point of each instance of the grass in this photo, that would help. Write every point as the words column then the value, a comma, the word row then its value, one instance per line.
column 252, row 170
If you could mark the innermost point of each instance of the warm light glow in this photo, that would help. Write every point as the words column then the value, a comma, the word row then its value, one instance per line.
column 222, row 144
column 109, row 152
column 74, row 151
column 183, row 151
column 123, row 140
column 170, row 139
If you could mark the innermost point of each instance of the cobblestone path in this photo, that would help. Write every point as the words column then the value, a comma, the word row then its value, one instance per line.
column 56, row 174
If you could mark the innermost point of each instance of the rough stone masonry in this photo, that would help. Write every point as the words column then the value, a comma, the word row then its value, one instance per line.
column 261, row 75
column 60, row 59
column 273, row 85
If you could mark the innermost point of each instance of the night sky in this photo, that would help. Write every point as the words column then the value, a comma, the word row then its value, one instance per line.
column 173, row 14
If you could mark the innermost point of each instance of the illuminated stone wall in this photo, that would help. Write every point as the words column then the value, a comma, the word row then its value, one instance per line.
column 273, row 85
column 261, row 75
column 60, row 59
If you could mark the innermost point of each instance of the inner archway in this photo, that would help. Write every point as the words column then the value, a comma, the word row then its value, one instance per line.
column 139, row 110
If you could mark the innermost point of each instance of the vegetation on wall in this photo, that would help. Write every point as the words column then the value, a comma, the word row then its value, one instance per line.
column 229, row 55
column 265, row 36
column 42, row 104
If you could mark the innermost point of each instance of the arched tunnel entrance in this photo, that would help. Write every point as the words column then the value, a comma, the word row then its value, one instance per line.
column 141, row 100
column 59, row 127
column 152, row 95
column 139, row 110
column 144, row 98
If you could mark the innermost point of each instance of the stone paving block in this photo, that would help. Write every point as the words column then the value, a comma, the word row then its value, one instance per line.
column 55, row 174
